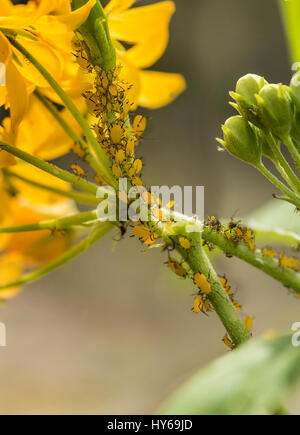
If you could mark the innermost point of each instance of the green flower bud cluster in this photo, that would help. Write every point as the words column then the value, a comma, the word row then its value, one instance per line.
column 269, row 114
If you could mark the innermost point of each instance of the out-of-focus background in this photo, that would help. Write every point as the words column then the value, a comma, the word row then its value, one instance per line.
column 112, row 332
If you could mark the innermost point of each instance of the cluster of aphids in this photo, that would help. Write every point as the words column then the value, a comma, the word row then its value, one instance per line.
column 108, row 100
column 234, row 231
column 237, row 233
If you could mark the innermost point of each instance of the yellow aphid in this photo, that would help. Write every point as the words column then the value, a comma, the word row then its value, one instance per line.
column 104, row 80
column 78, row 170
column 119, row 157
column 207, row 306
column 251, row 245
column 226, row 286
column 236, row 305
column 248, row 323
column 123, row 197
column 84, row 62
column 136, row 167
column 159, row 202
column 158, row 214
column 177, row 268
column 113, row 90
column 198, row 304
column 117, row 171
column 228, row 342
column 78, row 151
column 116, row 134
column 139, row 125
column 202, row 283
column 290, row 262
column 92, row 105
column 185, row 243
column 136, row 181
column 98, row 180
column 269, row 252
column 228, row 235
column 130, row 147
column 170, row 205
column 238, row 232
column 146, row 235
column 148, row 198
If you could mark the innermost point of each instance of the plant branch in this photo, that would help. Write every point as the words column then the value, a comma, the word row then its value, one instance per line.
column 51, row 169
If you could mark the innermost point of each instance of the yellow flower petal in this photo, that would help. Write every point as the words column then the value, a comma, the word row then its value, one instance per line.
column 51, row 59
column 11, row 267
column 33, row 194
column 130, row 74
column 40, row 135
column 5, row 50
column 17, row 95
column 159, row 89
column 138, row 24
column 74, row 19
column 147, row 53
column 21, row 16
column 118, row 5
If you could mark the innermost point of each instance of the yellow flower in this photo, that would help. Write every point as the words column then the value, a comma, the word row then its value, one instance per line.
column 49, row 40
column 35, row 247
column 11, row 268
column 147, row 30
column 39, row 133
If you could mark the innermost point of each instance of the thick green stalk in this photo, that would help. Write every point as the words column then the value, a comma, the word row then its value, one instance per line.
column 199, row 262
column 79, row 197
column 96, row 36
column 268, row 265
column 98, row 153
column 51, row 169
column 52, row 224
column 96, row 234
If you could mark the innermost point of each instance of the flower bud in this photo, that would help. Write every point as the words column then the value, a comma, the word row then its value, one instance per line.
column 295, row 89
column 275, row 110
column 295, row 132
column 246, row 89
column 241, row 140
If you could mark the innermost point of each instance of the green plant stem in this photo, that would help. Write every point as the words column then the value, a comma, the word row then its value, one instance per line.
column 199, row 262
column 97, row 38
column 268, row 265
column 96, row 234
column 79, row 197
column 286, row 170
column 51, row 169
column 274, row 180
column 288, row 141
column 96, row 150
column 276, row 235
column 52, row 224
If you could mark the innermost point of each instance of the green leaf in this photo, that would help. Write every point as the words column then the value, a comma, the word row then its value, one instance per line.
column 276, row 222
column 291, row 17
column 251, row 380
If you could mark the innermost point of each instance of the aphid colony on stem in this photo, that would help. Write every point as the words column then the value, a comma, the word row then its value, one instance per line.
column 237, row 233
column 108, row 101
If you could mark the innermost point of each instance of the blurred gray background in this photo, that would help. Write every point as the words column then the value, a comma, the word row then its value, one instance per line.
column 112, row 332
